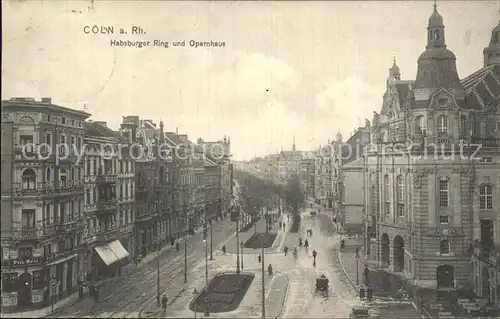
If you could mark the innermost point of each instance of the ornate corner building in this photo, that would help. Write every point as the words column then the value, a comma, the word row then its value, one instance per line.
column 42, row 201
column 433, row 174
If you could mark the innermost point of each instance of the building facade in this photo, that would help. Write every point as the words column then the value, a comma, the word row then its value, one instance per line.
column 109, row 203
column 432, row 182
column 42, row 201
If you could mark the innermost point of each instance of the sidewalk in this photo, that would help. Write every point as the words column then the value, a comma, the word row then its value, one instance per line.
column 86, row 303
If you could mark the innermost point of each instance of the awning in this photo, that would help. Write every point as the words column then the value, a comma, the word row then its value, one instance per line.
column 106, row 254
column 118, row 249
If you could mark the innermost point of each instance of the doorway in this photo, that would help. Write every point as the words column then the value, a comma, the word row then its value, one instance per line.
column 385, row 250
column 445, row 276
column 399, row 254
column 24, row 289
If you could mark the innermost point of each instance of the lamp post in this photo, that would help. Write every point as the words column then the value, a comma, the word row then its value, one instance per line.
column 54, row 283
column 206, row 273
column 357, row 270
column 237, row 246
column 158, row 272
column 185, row 252
column 263, row 282
column 211, row 240
column 242, row 246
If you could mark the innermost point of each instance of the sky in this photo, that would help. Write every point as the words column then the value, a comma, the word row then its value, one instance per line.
column 288, row 69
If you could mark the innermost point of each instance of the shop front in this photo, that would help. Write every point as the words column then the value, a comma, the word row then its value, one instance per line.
column 109, row 259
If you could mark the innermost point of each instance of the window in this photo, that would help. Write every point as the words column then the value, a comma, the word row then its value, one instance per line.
column 443, row 219
column 48, row 138
column 443, row 193
column 29, row 179
column 400, row 195
column 445, row 247
column 485, row 197
column 443, row 101
column 63, row 120
column 25, row 253
column 62, row 177
column 62, row 145
column 420, row 127
column 463, row 126
column 442, row 124
column 28, row 218
column 387, row 208
column 27, row 143
column 48, row 174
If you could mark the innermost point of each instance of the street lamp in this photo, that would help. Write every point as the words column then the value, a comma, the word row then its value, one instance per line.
column 357, row 270
column 237, row 241
column 206, row 275
column 185, row 253
column 54, row 283
column 242, row 246
column 158, row 272
column 211, row 240
column 263, row 282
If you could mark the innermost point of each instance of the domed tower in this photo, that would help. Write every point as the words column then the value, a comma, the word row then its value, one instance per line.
column 394, row 72
column 437, row 67
column 492, row 52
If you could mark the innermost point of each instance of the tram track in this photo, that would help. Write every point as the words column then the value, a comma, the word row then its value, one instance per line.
column 132, row 293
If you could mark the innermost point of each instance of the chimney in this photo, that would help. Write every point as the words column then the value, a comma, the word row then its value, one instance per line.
column 46, row 100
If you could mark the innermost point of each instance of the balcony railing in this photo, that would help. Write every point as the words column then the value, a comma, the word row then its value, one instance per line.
column 489, row 256
column 69, row 226
column 107, row 234
column 107, row 204
column 486, row 141
column 106, row 178
column 47, row 187
column 28, row 233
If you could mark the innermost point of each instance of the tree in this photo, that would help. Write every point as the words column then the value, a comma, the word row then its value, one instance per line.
column 256, row 192
column 294, row 197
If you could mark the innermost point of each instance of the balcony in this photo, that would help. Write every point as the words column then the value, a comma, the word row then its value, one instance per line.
column 28, row 233
column 107, row 235
column 107, row 204
column 486, row 142
column 69, row 226
column 106, row 179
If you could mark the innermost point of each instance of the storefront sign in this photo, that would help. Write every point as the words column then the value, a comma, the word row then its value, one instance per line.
column 26, row 262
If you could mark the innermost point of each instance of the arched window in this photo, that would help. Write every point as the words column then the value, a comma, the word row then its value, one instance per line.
column 400, row 195
column 29, row 179
column 486, row 197
column 445, row 247
column 463, row 126
column 436, row 35
column 442, row 124
column 420, row 127
column 387, row 207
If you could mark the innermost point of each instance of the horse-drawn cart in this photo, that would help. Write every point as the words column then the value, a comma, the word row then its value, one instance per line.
column 322, row 285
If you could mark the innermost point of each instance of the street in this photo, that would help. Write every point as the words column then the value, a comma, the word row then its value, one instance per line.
column 129, row 294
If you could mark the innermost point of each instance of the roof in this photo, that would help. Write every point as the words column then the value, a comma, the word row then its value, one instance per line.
column 403, row 89
column 483, row 87
column 94, row 129
column 30, row 102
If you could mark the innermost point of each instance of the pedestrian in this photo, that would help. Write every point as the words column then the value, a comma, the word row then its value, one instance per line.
column 259, row 258
column 224, row 249
column 314, row 256
column 177, row 246
column 369, row 294
column 286, row 250
column 281, row 224
column 361, row 293
column 164, row 301
column 284, row 226
column 357, row 251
